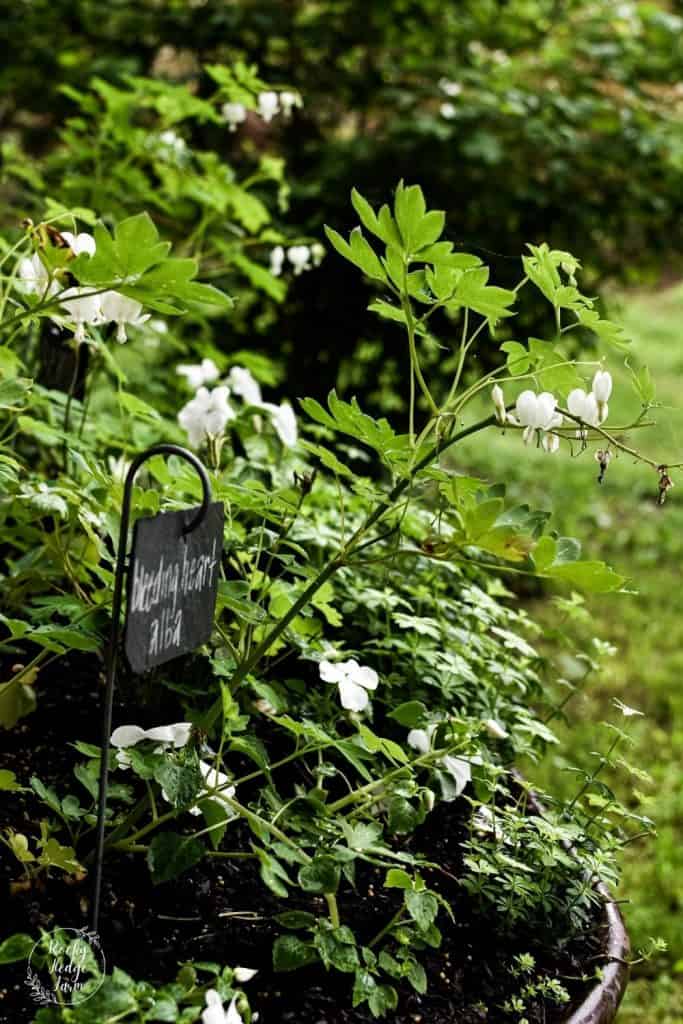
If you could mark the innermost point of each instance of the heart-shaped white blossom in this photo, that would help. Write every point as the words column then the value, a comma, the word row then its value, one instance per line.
column 300, row 258
column 268, row 105
column 123, row 312
column 214, row 1012
column 234, row 114
column 206, row 415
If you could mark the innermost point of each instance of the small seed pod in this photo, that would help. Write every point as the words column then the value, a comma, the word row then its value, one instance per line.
column 665, row 482
column 603, row 458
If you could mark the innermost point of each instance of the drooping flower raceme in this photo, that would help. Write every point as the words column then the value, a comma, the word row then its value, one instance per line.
column 459, row 770
column 206, row 415
column 353, row 680
column 214, row 1012
column 123, row 312
column 234, row 114
column 198, row 374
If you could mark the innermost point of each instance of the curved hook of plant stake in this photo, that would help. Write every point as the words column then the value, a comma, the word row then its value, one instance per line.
column 157, row 449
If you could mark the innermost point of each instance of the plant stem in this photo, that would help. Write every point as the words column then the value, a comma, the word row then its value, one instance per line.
column 339, row 560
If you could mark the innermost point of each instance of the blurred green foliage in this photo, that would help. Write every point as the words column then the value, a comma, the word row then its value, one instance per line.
column 524, row 120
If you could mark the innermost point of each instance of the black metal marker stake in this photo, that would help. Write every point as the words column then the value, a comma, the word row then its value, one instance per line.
column 159, row 449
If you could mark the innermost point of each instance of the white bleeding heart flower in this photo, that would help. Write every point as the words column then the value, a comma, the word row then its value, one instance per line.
column 450, row 88
column 317, row 253
column 234, row 114
column 585, row 406
column 82, row 243
column 284, row 422
column 353, row 680
column 550, row 443
column 299, row 256
column 288, row 101
column 459, row 770
column 34, row 276
column 125, row 736
column 206, row 415
column 244, row 384
column 244, row 974
column 83, row 308
column 498, row 398
column 198, row 374
column 602, row 385
column 277, row 259
column 176, row 735
column 495, row 729
column 123, row 312
column 268, row 105
column 214, row 1012
column 602, row 389
column 173, row 142
column 536, row 412
column 448, row 111
column 215, row 780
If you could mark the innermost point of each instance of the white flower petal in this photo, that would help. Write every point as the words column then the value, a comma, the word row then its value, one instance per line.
column 352, row 696
column 526, row 408
column 459, row 771
column 602, row 385
column 330, row 673
column 365, row 676
column 244, row 974
column 419, row 740
column 495, row 729
column 127, row 736
column 545, row 409
column 576, row 401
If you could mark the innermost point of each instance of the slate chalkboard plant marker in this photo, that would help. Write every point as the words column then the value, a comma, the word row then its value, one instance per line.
column 158, row 586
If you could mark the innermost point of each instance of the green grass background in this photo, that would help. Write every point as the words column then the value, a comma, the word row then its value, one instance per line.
column 620, row 523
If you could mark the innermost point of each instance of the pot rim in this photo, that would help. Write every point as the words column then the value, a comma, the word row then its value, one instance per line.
column 602, row 1002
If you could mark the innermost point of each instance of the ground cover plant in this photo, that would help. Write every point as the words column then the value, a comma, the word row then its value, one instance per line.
column 344, row 750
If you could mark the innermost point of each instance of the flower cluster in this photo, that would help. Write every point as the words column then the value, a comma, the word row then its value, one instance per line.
column 301, row 257
column 84, row 306
column 270, row 104
column 539, row 416
column 206, row 416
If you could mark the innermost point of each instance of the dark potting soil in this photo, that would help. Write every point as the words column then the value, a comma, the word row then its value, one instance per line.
column 220, row 910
